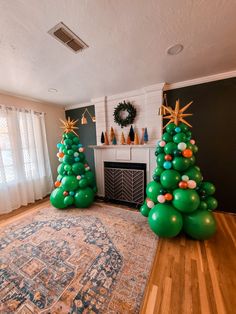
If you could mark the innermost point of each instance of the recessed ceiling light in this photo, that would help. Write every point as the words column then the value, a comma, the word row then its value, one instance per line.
column 174, row 50
column 52, row 90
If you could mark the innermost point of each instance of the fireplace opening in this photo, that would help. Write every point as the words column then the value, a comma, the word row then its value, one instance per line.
column 125, row 182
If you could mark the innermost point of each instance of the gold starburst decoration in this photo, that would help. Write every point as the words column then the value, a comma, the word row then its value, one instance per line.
column 69, row 126
column 177, row 115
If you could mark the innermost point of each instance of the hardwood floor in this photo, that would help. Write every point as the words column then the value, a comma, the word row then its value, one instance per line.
column 188, row 276
column 195, row 277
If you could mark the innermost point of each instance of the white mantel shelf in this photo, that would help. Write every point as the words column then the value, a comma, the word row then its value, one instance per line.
column 122, row 146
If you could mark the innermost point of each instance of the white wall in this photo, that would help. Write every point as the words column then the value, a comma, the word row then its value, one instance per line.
column 146, row 101
column 53, row 114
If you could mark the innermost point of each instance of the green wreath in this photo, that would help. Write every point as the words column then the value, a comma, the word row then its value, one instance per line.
column 124, row 106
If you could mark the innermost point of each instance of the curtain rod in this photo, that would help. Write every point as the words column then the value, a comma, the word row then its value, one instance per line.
column 21, row 109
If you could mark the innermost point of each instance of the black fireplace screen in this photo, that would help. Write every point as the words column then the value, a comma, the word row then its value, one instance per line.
column 125, row 182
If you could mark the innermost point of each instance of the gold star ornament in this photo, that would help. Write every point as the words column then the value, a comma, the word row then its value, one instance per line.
column 69, row 126
column 177, row 115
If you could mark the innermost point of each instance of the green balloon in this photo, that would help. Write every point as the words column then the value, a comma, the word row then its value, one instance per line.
column 181, row 163
column 70, row 135
column 68, row 142
column 192, row 160
column 68, row 200
column 195, row 149
column 144, row 210
column 170, row 179
column 76, row 140
column 59, row 177
column 158, row 171
column 165, row 221
column 194, row 174
column 170, row 128
column 70, row 152
column 67, row 167
column 159, row 150
column 69, row 183
column 170, row 147
column 83, row 183
column 90, row 177
column 200, row 225
column 153, row 190
column 70, row 173
column 185, row 201
column 167, row 137
column 60, row 169
column 202, row 206
column 68, row 159
column 95, row 189
column 81, row 156
column 184, row 127
column 211, row 202
column 179, row 137
column 75, row 148
column 190, row 146
column 160, row 160
column 208, row 187
column 84, row 198
column 78, row 168
column 57, row 198
column 188, row 135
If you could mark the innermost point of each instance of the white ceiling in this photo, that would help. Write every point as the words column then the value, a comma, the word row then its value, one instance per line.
column 127, row 42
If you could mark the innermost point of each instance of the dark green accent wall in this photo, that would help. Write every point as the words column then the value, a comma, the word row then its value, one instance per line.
column 87, row 132
column 214, row 129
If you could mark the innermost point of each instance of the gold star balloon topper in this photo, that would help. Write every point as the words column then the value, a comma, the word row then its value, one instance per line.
column 69, row 126
column 177, row 115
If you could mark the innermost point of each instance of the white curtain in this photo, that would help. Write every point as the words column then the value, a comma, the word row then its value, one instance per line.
column 25, row 173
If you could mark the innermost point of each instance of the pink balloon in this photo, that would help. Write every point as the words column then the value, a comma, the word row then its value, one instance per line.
column 161, row 198
column 191, row 184
column 192, row 142
column 162, row 143
column 150, row 204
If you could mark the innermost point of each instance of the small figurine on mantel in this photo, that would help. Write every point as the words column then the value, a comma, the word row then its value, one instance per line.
column 122, row 139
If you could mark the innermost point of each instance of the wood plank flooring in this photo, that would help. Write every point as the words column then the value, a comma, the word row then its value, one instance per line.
column 188, row 276
column 195, row 277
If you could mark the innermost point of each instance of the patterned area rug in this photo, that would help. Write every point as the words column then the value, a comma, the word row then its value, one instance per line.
column 95, row 260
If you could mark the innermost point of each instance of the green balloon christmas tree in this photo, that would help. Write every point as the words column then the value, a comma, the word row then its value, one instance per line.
column 178, row 198
column 75, row 183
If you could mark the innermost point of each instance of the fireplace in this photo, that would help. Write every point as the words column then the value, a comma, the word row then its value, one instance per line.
column 125, row 182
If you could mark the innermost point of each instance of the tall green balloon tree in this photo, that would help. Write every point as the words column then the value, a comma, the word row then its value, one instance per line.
column 75, row 184
column 178, row 198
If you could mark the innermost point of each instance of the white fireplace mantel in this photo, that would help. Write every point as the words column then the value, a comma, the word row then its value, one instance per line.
column 122, row 153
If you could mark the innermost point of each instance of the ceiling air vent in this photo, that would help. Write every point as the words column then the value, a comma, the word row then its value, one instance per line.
column 63, row 34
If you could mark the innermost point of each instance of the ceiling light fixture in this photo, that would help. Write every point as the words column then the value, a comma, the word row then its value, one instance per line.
column 174, row 50
column 52, row 90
